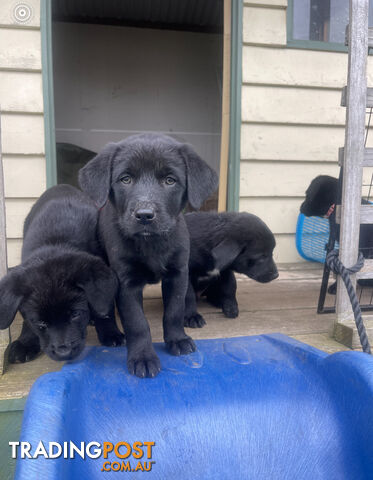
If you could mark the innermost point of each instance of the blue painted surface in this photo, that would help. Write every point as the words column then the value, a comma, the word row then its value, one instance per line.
column 312, row 234
column 261, row 407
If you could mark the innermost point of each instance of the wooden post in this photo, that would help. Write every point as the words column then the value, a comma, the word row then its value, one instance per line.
column 353, row 156
column 4, row 334
column 225, row 109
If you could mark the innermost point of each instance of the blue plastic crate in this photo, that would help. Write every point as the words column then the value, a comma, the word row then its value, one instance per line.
column 311, row 236
column 263, row 407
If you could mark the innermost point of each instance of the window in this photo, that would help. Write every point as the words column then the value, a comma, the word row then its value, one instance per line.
column 319, row 23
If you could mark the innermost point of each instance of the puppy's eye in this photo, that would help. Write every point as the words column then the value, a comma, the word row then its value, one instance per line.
column 42, row 326
column 126, row 179
column 169, row 181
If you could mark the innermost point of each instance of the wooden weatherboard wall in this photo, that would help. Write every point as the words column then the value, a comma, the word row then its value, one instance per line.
column 292, row 121
column 21, row 101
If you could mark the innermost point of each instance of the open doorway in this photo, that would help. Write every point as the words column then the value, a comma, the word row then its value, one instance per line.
column 127, row 67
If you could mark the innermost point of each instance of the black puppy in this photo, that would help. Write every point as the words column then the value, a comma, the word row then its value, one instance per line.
column 142, row 185
column 220, row 244
column 321, row 199
column 61, row 284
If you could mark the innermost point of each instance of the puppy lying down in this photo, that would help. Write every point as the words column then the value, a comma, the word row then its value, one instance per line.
column 221, row 244
column 62, row 284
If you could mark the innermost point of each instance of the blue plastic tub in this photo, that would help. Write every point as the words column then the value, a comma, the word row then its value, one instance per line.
column 312, row 234
column 261, row 407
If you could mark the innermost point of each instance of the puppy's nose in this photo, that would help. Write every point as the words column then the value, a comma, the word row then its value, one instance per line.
column 63, row 350
column 145, row 214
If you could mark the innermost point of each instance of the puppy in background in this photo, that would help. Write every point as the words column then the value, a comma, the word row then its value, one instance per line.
column 62, row 284
column 321, row 199
column 142, row 184
column 221, row 244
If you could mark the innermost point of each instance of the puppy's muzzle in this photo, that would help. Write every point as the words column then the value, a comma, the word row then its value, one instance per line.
column 145, row 214
column 66, row 352
column 63, row 350
column 268, row 277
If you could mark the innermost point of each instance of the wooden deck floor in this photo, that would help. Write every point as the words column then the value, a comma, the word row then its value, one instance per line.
column 287, row 305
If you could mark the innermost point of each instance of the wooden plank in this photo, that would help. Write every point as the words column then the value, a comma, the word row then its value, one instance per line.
column 369, row 102
column 23, row 134
column 16, row 211
column 225, row 109
column 370, row 36
column 272, row 179
column 266, row 3
column 322, row 341
column 291, row 142
column 20, row 184
column 277, row 66
column 7, row 14
column 4, row 334
column 20, row 49
column 354, row 148
column 367, row 270
column 21, row 92
column 291, row 105
column 14, row 248
column 368, row 157
column 264, row 26
column 280, row 214
column 346, row 333
column 285, row 251
column 366, row 214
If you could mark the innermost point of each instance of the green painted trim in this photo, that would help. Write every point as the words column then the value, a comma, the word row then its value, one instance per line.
column 13, row 404
column 235, row 107
column 314, row 45
column 48, row 95
column 308, row 44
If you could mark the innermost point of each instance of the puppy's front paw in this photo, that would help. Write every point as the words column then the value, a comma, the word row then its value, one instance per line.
column 181, row 347
column 112, row 339
column 194, row 321
column 144, row 364
column 20, row 353
column 230, row 308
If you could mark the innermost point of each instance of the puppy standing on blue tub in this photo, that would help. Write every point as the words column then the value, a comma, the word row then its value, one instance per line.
column 141, row 186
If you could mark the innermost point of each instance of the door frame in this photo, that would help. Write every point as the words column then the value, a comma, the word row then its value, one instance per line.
column 231, row 101
column 48, row 91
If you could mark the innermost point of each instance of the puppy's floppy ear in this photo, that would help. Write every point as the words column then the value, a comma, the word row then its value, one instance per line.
column 10, row 298
column 202, row 180
column 100, row 285
column 95, row 177
column 225, row 253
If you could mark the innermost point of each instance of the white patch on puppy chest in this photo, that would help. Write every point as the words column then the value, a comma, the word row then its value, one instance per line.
column 210, row 274
column 213, row 273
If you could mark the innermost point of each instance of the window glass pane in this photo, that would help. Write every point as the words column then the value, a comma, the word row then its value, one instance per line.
column 338, row 20
column 322, row 20
column 301, row 19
